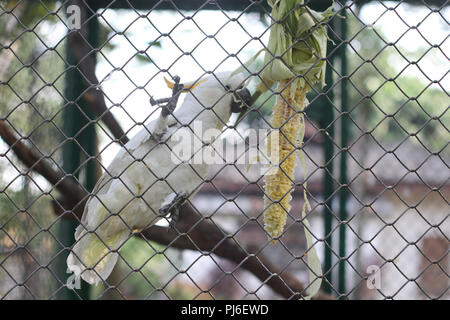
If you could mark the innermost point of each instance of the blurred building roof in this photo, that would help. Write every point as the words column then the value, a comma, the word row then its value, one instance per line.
column 400, row 164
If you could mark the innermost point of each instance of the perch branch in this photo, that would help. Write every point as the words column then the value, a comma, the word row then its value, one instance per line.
column 196, row 232
column 40, row 164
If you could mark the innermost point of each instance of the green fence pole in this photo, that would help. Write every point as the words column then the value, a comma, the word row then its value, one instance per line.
column 327, row 123
column 72, row 123
column 343, row 180
column 76, row 126
column 89, row 135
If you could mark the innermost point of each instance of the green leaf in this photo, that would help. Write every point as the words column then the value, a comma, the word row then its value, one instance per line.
column 143, row 58
column 156, row 43
column 313, row 261
column 297, row 43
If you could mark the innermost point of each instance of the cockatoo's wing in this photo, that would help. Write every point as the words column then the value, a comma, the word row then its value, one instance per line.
column 99, row 185
column 94, row 248
column 119, row 163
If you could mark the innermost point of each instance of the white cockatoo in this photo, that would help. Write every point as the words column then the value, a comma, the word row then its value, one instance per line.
column 143, row 180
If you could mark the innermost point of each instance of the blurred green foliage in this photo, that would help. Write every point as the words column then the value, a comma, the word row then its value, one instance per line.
column 394, row 104
column 31, row 106
column 396, row 101
column 24, row 216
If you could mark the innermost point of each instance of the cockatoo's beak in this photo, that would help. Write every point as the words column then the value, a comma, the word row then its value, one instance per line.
column 241, row 101
column 249, row 102
column 186, row 87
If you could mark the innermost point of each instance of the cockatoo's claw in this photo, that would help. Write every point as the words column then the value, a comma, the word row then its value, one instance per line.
column 157, row 137
column 159, row 101
column 172, row 102
column 173, row 208
column 169, row 107
column 166, row 109
column 176, row 79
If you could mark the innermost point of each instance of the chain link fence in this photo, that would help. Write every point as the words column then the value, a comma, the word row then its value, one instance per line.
column 79, row 78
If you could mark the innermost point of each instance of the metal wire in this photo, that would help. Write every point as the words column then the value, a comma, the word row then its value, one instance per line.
column 387, row 237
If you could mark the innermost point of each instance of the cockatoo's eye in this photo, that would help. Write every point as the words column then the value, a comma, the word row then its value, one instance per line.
column 228, row 87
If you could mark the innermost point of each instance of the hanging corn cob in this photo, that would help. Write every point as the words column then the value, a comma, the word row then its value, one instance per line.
column 295, row 59
column 279, row 185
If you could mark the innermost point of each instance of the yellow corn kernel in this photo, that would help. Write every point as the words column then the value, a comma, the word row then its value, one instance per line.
column 280, row 184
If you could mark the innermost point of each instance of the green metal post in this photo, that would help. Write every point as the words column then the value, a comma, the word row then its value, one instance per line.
column 73, row 121
column 327, row 123
column 89, row 135
column 343, row 180
column 83, row 141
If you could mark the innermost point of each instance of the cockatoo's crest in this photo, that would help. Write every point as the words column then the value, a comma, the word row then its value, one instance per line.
column 186, row 87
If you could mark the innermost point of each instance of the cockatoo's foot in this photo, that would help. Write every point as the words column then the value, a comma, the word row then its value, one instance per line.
column 169, row 103
column 168, row 106
column 172, row 207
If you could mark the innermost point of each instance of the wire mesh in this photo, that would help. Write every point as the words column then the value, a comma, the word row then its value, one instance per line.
column 376, row 149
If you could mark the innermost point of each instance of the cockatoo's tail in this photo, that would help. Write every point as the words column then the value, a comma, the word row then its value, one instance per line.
column 92, row 257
